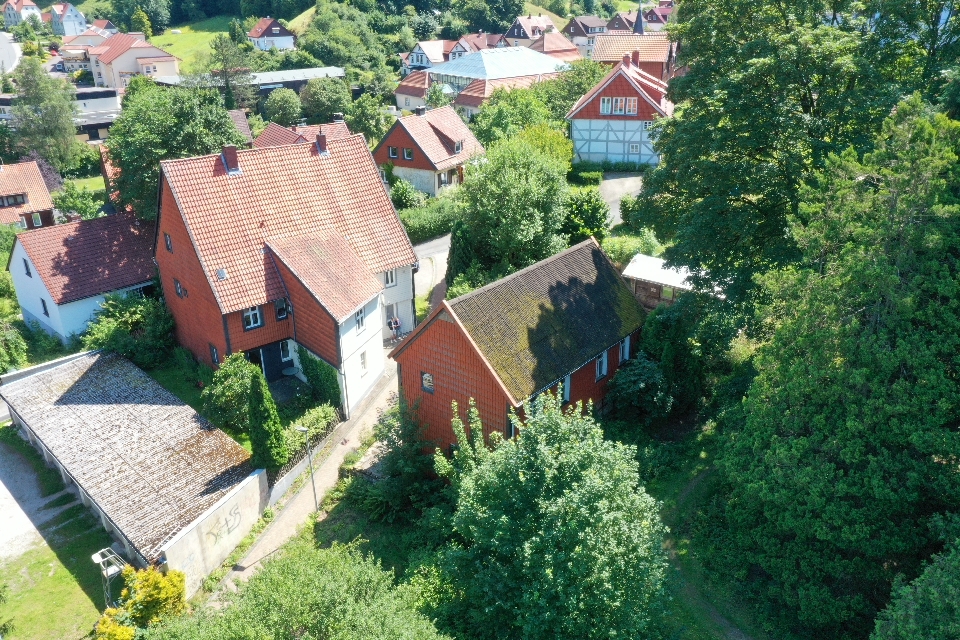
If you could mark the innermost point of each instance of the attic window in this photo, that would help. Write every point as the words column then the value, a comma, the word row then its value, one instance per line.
column 282, row 308
column 26, row 268
column 457, row 148
column 426, row 381
column 276, row 29
column 168, row 242
column 221, row 274
column 407, row 153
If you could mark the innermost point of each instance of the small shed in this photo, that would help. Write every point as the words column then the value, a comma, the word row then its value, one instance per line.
column 174, row 490
column 653, row 283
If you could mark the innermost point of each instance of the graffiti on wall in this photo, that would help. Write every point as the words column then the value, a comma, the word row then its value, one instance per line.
column 225, row 525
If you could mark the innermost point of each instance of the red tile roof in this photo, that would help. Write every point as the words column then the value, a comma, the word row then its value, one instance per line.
column 478, row 41
column 651, row 89
column 436, row 133
column 556, row 45
column 653, row 47
column 283, row 191
column 531, row 24
column 342, row 290
column 240, row 121
column 415, row 84
column 118, row 44
column 82, row 259
column 479, row 91
column 268, row 23
column 275, row 135
column 23, row 178
column 103, row 24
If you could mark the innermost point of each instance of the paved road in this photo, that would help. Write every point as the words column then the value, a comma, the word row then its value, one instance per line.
column 614, row 187
column 9, row 52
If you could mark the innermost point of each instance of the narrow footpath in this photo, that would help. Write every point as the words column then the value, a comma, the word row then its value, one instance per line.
column 298, row 510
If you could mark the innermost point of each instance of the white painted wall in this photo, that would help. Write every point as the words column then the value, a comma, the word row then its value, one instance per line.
column 265, row 43
column 401, row 296
column 354, row 380
column 599, row 140
column 409, row 102
column 205, row 543
column 421, row 179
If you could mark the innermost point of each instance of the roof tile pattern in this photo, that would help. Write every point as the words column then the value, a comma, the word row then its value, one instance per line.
column 436, row 133
column 556, row 45
column 91, row 257
column 23, row 178
column 118, row 44
column 341, row 290
column 240, row 120
column 283, row 191
column 478, row 91
column 540, row 323
column 654, row 47
column 264, row 24
column 148, row 460
column 416, row 84
column 275, row 135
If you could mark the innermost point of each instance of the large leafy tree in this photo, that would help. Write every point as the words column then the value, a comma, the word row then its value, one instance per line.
column 512, row 209
column 771, row 89
column 554, row 536
column 43, row 113
column 158, row 124
column 229, row 66
column 507, row 113
column 323, row 97
column 283, row 107
column 366, row 116
column 562, row 92
column 158, row 13
column 850, row 442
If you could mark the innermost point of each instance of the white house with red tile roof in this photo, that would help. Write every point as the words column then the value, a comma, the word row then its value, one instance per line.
column 66, row 20
column 106, row 25
column 526, row 29
column 656, row 19
column 121, row 57
column 268, row 34
column 62, row 273
column 412, row 90
column 92, row 37
column 263, row 250
column 428, row 149
column 24, row 198
column 275, row 135
column 426, row 54
column 556, row 45
column 17, row 11
column 612, row 121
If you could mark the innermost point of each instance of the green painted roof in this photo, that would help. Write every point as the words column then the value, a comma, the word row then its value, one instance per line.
column 539, row 324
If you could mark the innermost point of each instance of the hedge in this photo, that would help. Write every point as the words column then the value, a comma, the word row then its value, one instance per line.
column 429, row 221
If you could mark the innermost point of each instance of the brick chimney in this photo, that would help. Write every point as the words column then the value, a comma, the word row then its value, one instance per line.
column 230, row 159
column 73, row 217
column 626, row 59
column 420, row 111
column 635, row 58
column 322, row 143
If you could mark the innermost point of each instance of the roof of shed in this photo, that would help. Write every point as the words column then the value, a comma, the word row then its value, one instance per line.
column 82, row 259
column 436, row 132
column 539, row 324
column 149, row 461
column 652, row 269
column 499, row 62
column 23, row 178
column 279, row 192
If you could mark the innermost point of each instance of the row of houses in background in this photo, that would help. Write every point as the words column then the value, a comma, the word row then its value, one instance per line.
column 64, row 18
column 114, row 59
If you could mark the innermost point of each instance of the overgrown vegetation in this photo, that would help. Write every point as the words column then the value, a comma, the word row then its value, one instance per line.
column 137, row 327
column 148, row 596
column 430, row 220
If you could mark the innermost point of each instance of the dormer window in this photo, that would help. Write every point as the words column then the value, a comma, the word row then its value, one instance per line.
column 13, row 200
column 276, row 30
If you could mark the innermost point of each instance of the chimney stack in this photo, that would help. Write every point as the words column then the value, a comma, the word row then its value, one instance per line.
column 635, row 58
column 73, row 217
column 338, row 117
column 322, row 143
column 230, row 159
column 626, row 59
column 420, row 111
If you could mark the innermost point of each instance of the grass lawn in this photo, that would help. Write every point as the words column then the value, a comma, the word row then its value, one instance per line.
column 89, row 7
column 532, row 9
column 299, row 24
column 95, row 183
column 194, row 40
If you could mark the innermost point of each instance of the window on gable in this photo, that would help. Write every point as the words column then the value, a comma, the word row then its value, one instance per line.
column 407, row 153
column 602, row 365
column 252, row 318
column 178, row 288
column 26, row 268
column 605, row 105
column 634, row 147
column 43, row 303
column 631, row 106
column 406, row 103
column 214, row 355
column 282, row 308
column 457, row 148
column 625, row 349
column 566, row 388
column 426, row 381
column 276, row 29
column 168, row 242
column 392, row 151
column 618, row 106
column 390, row 278
column 360, row 319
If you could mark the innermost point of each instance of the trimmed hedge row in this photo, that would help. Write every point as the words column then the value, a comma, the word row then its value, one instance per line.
column 430, row 221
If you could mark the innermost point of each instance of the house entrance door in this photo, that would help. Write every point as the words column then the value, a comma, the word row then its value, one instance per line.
column 255, row 357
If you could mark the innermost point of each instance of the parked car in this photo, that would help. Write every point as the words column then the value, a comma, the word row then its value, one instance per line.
column 58, row 66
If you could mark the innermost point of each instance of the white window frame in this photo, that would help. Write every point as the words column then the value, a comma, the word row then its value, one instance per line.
column 458, row 147
column 37, row 222
column 390, row 278
column 282, row 305
column 625, row 349
column 178, row 288
column 286, row 343
column 424, row 379
column 646, row 124
column 619, row 106
column 360, row 318
column 631, row 106
column 407, row 153
column 634, row 147
column 252, row 318
column 363, row 363
column 168, row 242
column 392, row 151
column 566, row 388
column 606, row 106
column 602, row 366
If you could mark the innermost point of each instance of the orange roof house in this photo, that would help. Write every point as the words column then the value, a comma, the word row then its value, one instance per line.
column 24, row 198
column 612, row 121
column 412, row 90
column 275, row 135
column 569, row 320
column 268, row 34
column 116, row 60
column 526, row 29
column 556, row 45
column 61, row 273
column 428, row 148
column 656, row 52
column 269, row 249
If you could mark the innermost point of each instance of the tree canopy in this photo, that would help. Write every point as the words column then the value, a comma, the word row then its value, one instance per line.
column 323, row 97
column 157, row 12
column 43, row 113
column 554, row 536
column 158, row 124
column 283, row 107
column 838, row 469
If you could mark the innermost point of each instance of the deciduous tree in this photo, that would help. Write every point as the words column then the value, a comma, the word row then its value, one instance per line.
column 366, row 116
column 140, row 22
column 43, row 113
column 507, row 113
column 283, row 107
column 229, row 66
column 323, row 97
column 158, row 13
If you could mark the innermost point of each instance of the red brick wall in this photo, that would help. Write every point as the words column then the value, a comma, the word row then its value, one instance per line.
column 399, row 138
column 198, row 318
column 458, row 374
column 273, row 330
column 315, row 328
column 620, row 87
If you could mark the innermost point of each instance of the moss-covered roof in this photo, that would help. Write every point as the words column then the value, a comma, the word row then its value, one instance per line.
column 539, row 324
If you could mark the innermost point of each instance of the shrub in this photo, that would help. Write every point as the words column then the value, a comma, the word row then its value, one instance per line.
column 586, row 178
column 620, row 247
column 225, row 400
column 13, row 348
column 84, row 161
column 638, row 390
column 405, row 196
column 283, row 107
column 587, row 214
column 133, row 326
column 148, row 597
column 321, row 377
column 270, row 447
column 78, row 200
column 431, row 220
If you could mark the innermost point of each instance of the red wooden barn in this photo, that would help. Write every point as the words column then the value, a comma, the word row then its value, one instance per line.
column 569, row 319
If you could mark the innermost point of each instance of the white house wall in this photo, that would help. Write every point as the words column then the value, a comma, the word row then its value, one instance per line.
column 421, row 179
column 409, row 102
column 599, row 140
column 280, row 42
column 356, row 382
column 401, row 296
